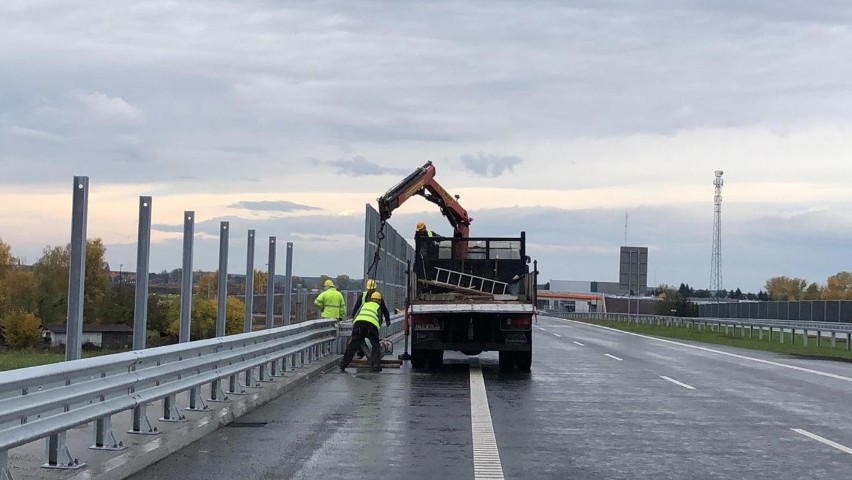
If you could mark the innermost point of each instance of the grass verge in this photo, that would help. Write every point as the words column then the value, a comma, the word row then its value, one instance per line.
column 12, row 359
column 824, row 351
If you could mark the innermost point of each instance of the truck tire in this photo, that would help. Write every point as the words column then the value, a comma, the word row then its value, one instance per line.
column 507, row 361
column 418, row 358
column 523, row 360
column 435, row 358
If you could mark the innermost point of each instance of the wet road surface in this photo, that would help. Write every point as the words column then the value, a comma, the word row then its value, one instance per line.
column 599, row 404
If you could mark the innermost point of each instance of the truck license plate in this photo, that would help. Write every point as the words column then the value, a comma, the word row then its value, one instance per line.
column 427, row 327
column 516, row 338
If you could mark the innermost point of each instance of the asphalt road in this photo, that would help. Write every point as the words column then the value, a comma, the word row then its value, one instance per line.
column 599, row 404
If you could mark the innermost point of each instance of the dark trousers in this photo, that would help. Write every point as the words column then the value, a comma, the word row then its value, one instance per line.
column 360, row 331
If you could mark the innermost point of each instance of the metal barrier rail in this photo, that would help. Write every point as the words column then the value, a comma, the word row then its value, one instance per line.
column 705, row 323
column 46, row 401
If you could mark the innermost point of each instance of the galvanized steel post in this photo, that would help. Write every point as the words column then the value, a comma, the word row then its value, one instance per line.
column 104, row 438
column 77, row 269
column 288, row 285
column 58, row 455
column 270, row 284
column 249, row 297
column 222, row 292
column 186, row 277
column 143, row 252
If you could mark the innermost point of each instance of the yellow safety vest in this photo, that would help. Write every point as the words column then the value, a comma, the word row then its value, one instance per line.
column 332, row 304
column 369, row 312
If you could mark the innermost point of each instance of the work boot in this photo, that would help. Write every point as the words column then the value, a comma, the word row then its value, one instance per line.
column 342, row 368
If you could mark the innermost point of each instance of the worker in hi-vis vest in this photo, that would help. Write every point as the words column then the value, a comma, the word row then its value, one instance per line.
column 331, row 302
column 365, row 325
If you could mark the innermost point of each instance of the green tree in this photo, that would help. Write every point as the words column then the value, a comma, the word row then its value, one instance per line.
column 22, row 329
column 342, row 282
column 51, row 272
column 786, row 288
column 813, row 292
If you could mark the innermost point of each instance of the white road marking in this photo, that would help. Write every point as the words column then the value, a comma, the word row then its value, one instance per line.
column 823, row 440
column 556, row 334
column 580, row 344
column 486, row 456
column 720, row 352
column 688, row 387
column 612, row 357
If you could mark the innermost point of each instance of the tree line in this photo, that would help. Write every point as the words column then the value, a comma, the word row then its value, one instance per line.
column 32, row 296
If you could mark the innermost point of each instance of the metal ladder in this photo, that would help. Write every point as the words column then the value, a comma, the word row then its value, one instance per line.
column 466, row 281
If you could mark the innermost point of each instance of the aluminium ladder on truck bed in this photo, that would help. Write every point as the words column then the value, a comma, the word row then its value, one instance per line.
column 456, row 280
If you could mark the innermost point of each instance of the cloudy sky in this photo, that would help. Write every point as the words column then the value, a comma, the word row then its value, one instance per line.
column 553, row 117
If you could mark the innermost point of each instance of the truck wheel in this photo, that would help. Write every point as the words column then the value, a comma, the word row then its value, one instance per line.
column 436, row 358
column 418, row 358
column 523, row 360
column 507, row 361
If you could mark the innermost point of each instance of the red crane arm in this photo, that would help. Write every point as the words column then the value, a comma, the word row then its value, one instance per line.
column 422, row 182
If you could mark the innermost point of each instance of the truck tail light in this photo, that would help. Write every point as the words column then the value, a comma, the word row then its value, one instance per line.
column 522, row 323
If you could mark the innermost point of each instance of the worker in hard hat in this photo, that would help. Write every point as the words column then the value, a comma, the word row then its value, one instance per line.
column 370, row 287
column 365, row 325
column 331, row 302
column 425, row 246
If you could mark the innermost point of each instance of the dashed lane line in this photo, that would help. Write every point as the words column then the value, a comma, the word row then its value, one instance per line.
column 486, row 455
column 823, row 440
column 688, row 387
column 613, row 357
column 720, row 352
column 580, row 344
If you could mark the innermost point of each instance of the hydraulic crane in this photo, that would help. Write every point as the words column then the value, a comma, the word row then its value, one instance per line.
column 422, row 182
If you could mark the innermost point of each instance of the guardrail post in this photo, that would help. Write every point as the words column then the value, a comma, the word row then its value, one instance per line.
column 805, row 338
column 170, row 411
column 781, row 335
column 833, row 339
column 849, row 341
column 195, row 401
column 760, row 333
column 58, row 455
column 792, row 336
column 5, row 474
column 141, row 425
column 819, row 338
column 104, row 439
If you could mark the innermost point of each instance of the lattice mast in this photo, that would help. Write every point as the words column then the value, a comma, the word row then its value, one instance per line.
column 716, row 258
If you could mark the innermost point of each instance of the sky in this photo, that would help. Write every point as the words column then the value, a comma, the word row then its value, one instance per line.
column 556, row 118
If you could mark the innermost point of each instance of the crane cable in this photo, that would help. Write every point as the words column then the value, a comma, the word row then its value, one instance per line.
column 371, row 270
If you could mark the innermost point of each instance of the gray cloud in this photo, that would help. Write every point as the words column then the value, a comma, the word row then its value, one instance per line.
column 272, row 206
column 490, row 165
column 359, row 167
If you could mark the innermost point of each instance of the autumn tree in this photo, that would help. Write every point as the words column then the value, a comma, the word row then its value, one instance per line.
column 208, row 285
column 21, row 329
column 838, row 287
column 260, row 281
column 786, row 288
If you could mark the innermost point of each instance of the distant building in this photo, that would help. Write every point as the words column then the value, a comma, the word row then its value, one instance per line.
column 570, row 302
column 633, row 271
column 104, row 336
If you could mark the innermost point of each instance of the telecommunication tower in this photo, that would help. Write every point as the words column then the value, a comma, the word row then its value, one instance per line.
column 716, row 259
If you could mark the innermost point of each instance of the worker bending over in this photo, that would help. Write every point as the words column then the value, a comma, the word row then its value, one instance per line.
column 365, row 325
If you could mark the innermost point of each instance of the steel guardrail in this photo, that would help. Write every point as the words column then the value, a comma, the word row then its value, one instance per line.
column 43, row 401
column 803, row 326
